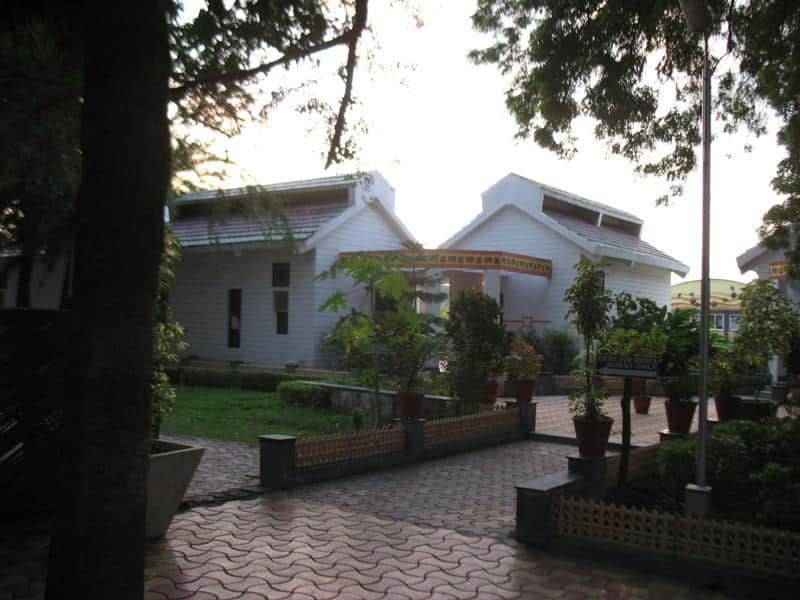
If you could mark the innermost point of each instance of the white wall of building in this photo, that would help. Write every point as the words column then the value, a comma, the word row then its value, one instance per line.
column 368, row 230
column 638, row 280
column 512, row 230
column 199, row 299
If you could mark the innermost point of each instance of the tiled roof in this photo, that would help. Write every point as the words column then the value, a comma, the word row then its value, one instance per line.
column 236, row 228
column 608, row 236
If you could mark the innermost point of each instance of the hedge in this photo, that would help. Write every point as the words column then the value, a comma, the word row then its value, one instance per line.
column 264, row 381
column 298, row 393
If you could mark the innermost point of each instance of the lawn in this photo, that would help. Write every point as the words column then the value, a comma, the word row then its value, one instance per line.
column 243, row 415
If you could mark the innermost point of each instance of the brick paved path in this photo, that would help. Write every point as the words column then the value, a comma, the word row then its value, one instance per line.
column 435, row 530
column 226, row 468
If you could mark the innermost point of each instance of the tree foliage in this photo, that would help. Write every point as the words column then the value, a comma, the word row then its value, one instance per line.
column 635, row 69
column 477, row 343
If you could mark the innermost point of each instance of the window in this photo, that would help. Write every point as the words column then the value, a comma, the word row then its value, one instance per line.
column 280, row 303
column 716, row 322
column 234, row 318
column 733, row 322
column 280, row 274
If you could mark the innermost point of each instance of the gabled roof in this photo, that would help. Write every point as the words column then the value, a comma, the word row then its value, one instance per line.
column 306, row 223
column 594, row 240
column 302, row 222
column 320, row 183
column 746, row 258
column 581, row 201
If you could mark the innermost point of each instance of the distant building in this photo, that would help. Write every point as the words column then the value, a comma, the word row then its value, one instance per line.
column 725, row 302
column 524, row 217
column 243, row 295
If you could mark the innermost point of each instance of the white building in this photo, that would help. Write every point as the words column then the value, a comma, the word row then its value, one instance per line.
column 243, row 295
column 524, row 217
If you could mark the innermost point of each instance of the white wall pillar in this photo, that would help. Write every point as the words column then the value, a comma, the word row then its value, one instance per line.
column 491, row 283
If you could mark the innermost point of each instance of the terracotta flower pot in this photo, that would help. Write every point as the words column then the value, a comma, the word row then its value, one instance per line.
column 410, row 405
column 679, row 415
column 727, row 407
column 641, row 404
column 525, row 389
column 592, row 436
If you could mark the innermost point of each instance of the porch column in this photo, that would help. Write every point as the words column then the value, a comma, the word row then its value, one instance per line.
column 491, row 283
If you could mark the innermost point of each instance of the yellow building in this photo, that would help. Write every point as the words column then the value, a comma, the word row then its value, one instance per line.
column 725, row 303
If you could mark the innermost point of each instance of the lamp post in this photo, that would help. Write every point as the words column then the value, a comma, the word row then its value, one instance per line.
column 698, row 495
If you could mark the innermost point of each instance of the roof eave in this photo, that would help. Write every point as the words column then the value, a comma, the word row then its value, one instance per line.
column 745, row 259
column 643, row 258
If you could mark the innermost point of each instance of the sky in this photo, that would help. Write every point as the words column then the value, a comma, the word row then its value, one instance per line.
column 438, row 130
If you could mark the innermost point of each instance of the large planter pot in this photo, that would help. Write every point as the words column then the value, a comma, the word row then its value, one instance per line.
column 524, row 390
column 641, row 404
column 727, row 407
column 410, row 405
column 592, row 436
column 172, row 467
column 679, row 415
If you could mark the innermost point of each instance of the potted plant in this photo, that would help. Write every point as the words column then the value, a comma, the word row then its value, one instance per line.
column 768, row 326
column 678, row 366
column 724, row 375
column 496, row 373
column 523, row 365
column 410, row 342
column 588, row 302
column 476, row 344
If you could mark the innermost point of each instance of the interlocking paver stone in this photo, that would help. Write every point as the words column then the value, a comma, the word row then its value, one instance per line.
column 439, row 529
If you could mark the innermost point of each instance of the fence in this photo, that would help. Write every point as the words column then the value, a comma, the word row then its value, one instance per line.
column 441, row 431
column 643, row 462
column 286, row 461
column 328, row 449
column 774, row 551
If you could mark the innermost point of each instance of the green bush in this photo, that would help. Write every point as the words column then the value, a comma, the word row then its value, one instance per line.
column 299, row 393
column 676, row 463
column 559, row 350
column 263, row 381
column 198, row 376
column 778, row 496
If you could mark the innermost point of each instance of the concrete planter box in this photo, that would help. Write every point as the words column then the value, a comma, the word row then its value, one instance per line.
column 172, row 467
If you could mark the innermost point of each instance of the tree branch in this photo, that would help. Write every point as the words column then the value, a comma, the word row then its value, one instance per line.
column 359, row 23
column 176, row 93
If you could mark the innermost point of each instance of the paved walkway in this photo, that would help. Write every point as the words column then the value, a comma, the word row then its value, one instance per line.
column 440, row 529
column 552, row 416
column 435, row 530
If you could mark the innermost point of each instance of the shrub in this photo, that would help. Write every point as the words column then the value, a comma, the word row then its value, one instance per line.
column 559, row 350
column 477, row 340
column 676, row 464
column 299, row 393
column 778, row 496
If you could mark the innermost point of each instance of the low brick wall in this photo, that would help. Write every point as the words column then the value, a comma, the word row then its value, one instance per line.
column 285, row 461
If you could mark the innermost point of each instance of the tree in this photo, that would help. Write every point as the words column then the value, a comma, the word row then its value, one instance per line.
column 635, row 69
column 588, row 303
column 133, row 61
column 477, row 341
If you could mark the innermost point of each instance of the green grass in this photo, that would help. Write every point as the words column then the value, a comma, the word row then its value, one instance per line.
column 243, row 415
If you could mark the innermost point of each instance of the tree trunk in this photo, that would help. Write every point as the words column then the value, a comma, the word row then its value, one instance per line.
column 97, row 548
column 625, row 456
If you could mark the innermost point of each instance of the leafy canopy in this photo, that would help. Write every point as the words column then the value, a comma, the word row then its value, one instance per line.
column 635, row 69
